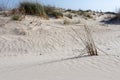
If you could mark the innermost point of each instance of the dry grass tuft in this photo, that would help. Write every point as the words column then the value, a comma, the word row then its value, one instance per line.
column 88, row 41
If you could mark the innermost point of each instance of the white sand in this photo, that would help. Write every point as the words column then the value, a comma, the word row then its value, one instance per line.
column 48, row 50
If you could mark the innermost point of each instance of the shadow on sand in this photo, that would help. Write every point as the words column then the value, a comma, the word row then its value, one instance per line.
column 114, row 20
column 65, row 59
column 27, row 66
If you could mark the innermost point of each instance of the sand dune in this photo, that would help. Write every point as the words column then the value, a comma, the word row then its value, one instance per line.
column 36, row 49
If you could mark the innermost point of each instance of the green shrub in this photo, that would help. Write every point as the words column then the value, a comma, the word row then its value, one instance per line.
column 85, row 14
column 57, row 14
column 16, row 17
column 53, row 12
column 32, row 8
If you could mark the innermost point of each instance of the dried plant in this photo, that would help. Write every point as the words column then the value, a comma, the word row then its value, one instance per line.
column 87, row 41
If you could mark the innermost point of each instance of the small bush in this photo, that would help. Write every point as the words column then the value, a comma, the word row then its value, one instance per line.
column 53, row 12
column 88, row 15
column 71, row 11
column 57, row 14
column 16, row 17
column 32, row 8
column 85, row 14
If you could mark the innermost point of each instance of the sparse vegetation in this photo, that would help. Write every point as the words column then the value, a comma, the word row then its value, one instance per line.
column 32, row 8
column 72, row 11
column 85, row 14
column 113, row 18
column 46, row 11
column 53, row 12
column 16, row 17
column 38, row 9
column 57, row 14
column 88, row 41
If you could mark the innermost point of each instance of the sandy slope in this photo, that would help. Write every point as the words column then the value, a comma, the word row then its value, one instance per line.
column 48, row 50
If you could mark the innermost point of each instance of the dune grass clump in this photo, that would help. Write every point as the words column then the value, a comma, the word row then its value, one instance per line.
column 57, row 14
column 71, row 11
column 16, row 17
column 17, row 14
column 51, row 11
column 88, row 41
column 87, row 15
column 32, row 8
